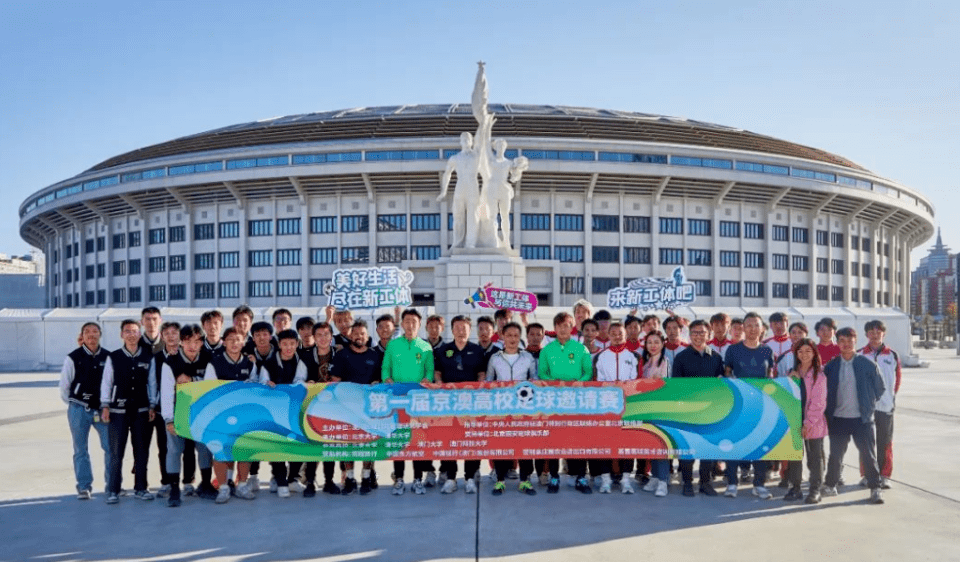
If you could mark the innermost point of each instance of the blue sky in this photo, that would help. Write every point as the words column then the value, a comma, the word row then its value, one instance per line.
column 877, row 82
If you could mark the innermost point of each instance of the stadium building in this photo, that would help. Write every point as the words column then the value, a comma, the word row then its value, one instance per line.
column 264, row 212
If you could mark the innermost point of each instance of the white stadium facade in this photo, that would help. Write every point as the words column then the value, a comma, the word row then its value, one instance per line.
column 263, row 213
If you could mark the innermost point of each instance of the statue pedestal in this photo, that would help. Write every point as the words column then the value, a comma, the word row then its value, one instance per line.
column 459, row 275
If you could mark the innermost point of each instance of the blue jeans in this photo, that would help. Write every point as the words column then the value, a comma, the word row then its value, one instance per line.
column 660, row 468
column 175, row 447
column 80, row 419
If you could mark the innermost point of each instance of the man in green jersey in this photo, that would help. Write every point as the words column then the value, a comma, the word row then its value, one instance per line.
column 408, row 359
column 565, row 359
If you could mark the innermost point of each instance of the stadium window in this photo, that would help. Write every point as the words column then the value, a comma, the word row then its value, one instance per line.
column 823, row 265
column 568, row 222
column 568, row 253
column 229, row 260
column 836, row 293
column 636, row 255
column 135, row 294
column 855, row 295
column 836, row 240
column 260, row 258
column 320, row 256
column 203, row 291
column 262, row 227
column 865, row 296
column 88, row 246
column 606, row 254
column 780, row 290
column 178, row 234
column 535, row 252
column 119, row 296
column 671, row 256
column 729, row 288
column 89, row 272
column 801, row 235
column 391, row 223
column 178, row 262
column 753, row 289
column 101, row 243
column 157, row 265
column 753, row 230
column 316, row 287
column 699, row 257
column 155, row 236
column 703, row 287
column 427, row 252
column 854, row 242
column 781, row 261
column 671, row 225
column 391, row 254
column 603, row 284
column 801, row 291
column 823, row 238
column 571, row 285
column 288, row 226
column 779, row 233
column 865, row 244
column 428, row 221
column 636, row 224
column 729, row 258
column 88, row 298
column 865, row 270
column 229, row 290
column 801, row 263
column 323, row 225
column 823, row 293
column 355, row 254
column 178, row 292
column 753, row 260
column 134, row 267
column 288, row 257
column 101, row 270
column 606, row 223
column 157, row 293
column 205, row 231
column 229, row 229
column 699, row 227
column 729, row 229
column 355, row 223
column 204, row 261
column 119, row 268
column 288, row 287
column 260, row 288
column 837, row 267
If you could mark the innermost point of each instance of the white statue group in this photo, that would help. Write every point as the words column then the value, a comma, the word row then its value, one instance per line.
column 485, row 179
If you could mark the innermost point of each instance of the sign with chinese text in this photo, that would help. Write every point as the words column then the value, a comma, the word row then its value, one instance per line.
column 369, row 287
column 653, row 293
column 708, row 418
column 497, row 297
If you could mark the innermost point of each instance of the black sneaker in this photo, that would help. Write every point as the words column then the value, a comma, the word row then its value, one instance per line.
column 206, row 491
column 783, row 483
column 310, row 490
column 365, row 487
column 373, row 480
column 331, row 488
column 233, row 487
column 707, row 489
column 349, row 487
column 583, row 486
column 554, row 486
column 793, row 495
column 174, row 499
column 688, row 489
column 813, row 497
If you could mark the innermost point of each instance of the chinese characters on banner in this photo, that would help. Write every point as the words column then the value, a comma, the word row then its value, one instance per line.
column 497, row 297
column 652, row 293
column 369, row 287
column 729, row 419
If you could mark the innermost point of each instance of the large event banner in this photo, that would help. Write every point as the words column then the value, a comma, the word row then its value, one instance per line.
column 708, row 418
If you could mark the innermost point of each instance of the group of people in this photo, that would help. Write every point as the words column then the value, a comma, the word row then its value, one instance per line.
column 129, row 393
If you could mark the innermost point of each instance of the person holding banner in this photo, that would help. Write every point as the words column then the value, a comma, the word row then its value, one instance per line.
column 698, row 360
column 565, row 359
column 285, row 368
column 212, row 323
column 813, row 401
column 674, row 343
column 408, row 359
column 319, row 361
column 457, row 362
column 613, row 364
column 512, row 364
column 170, row 332
column 750, row 359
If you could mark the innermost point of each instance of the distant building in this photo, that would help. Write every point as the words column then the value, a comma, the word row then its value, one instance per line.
column 27, row 263
column 933, row 283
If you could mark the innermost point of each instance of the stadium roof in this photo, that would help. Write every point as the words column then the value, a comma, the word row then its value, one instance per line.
column 446, row 120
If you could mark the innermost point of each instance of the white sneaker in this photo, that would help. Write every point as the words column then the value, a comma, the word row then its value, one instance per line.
column 163, row 491
column 625, row 486
column 273, row 486
column 731, row 491
column 223, row 494
column 470, row 486
column 762, row 493
column 544, row 478
column 254, row 482
column 418, row 487
column 662, row 489
column 651, row 485
column 512, row 474
column 431, row 479
column 449, row 487
column 605, row 483
column 283, row 492
column 244, row 491
column 398, row 487
column 863, row 482
column 295, row 487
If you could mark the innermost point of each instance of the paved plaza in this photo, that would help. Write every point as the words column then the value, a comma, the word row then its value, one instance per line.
column 40, row 518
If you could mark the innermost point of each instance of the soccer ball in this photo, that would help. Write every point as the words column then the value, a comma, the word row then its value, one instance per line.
column 525, row 395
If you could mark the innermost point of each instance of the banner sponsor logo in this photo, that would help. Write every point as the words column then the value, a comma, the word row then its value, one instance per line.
column 369, row 287
column 497, row 297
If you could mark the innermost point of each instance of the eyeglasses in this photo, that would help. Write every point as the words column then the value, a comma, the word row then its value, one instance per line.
column 698, row 332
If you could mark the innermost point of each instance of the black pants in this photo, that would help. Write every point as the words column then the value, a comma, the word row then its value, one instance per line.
column 419, row 467
column 815, row 457
column 189, row 461
column 548, row 465
column 759, row 472
column 706, row 471
column 504, row 466
column 450, row 469
column 280, row 473
column 136, row 426
column 841, row 430
column 160, row 428
column 884, row 423
column 578, row 467
column 329, row 467
column 624, row 466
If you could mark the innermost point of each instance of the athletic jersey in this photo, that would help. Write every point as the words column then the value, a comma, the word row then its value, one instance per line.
column 521, row 366
column 670, row 350
column 616, row 363
column 461, row 365
column 779, row 345
column 888, row 363
column 828, row 352
column 720, row 346
column 785, row 364
column 361, row 368
column 634, row 345
column 565, row 362
column 81, row 376
column 601, row 344
column 283, row 371
column 126, row 385
column 221, row 367
column 408, row 361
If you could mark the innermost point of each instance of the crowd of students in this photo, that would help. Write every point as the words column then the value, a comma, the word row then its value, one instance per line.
column 128, row 394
